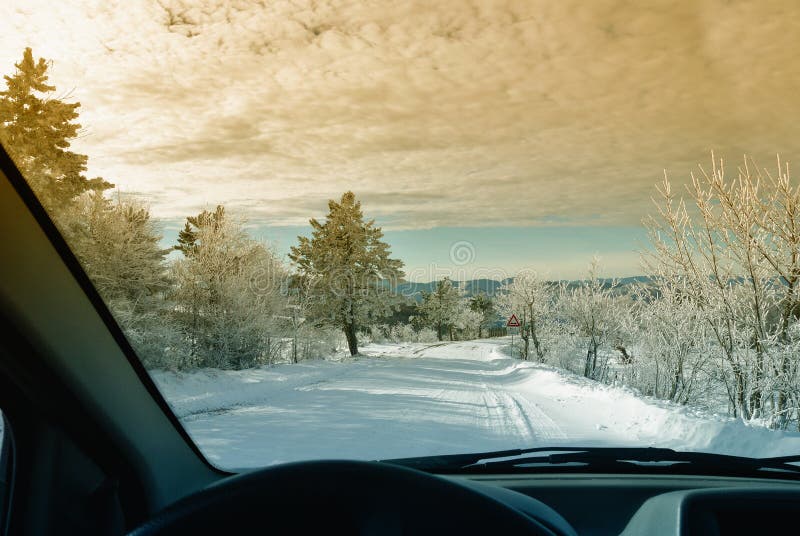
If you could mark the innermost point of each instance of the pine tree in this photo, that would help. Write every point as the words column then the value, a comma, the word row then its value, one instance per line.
column 347, row 269
column 187, row 237
column 440, row 307
column 187, row 240
column 483, row 304
column 36, row 130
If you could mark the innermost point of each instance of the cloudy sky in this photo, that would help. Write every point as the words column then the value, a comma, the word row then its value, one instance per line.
column 534, row 130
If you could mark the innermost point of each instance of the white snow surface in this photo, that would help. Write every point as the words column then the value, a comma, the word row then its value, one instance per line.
column 404, row 400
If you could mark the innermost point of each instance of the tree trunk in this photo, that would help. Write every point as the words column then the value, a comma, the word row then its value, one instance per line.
column 536, row 343
column 673, row 388
column 537, row 346
column 587, row 366
column 657, row 378
column 740, row 394
column 352, row 341
column 439, row 331
column 782, row 406
column 591, row 359
column 755, row 393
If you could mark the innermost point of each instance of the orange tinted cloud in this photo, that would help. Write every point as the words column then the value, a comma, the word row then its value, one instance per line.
column 486, row 113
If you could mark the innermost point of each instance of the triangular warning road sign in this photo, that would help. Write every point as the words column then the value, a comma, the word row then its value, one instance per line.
column 513, row 322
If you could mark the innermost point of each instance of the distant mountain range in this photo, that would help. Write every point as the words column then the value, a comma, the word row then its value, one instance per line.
column 491, row 287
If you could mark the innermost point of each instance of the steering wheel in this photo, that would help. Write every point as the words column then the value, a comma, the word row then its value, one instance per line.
column 347, row 497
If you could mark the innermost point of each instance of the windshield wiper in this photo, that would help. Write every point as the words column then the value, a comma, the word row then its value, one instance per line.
column 602, row 460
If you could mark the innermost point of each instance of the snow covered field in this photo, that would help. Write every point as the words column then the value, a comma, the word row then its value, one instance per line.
column 403, row 400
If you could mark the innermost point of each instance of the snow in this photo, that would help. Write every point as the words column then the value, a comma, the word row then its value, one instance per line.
column 415, row 399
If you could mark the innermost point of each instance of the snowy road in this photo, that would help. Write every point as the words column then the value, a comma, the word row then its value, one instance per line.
column 417, row 399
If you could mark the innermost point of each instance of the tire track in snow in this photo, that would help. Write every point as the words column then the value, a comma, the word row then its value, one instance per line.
column 516, row 415
column 514, row 419
column 543, row 426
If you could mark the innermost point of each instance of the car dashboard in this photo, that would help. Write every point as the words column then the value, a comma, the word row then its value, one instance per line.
column 656, row 505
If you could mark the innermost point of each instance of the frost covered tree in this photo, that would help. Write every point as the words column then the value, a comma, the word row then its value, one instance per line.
column 347, row 270
column 735, row 244
column 672, row 362
column 467, row 322
column 118, row 245
column 188, row 236
column 531, row 298
column 485, row 306
column 228, row 293
column 120, row 249
column 36, row 129
column 591, row 308
column 440, row 307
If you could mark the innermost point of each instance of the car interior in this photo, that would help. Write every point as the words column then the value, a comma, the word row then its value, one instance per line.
column 91, row 447
column 384, row 268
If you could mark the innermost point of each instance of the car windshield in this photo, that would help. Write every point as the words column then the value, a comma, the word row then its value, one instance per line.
column 377, row 230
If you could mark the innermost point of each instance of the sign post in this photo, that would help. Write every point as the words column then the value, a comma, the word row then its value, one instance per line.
column 512, row 325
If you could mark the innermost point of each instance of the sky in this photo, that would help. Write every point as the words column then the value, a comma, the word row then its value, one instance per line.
column 532, row 130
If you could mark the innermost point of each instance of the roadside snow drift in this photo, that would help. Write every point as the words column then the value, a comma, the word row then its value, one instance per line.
column 404, row 400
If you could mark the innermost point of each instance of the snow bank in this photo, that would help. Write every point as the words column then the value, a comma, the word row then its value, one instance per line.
column 619, row 415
